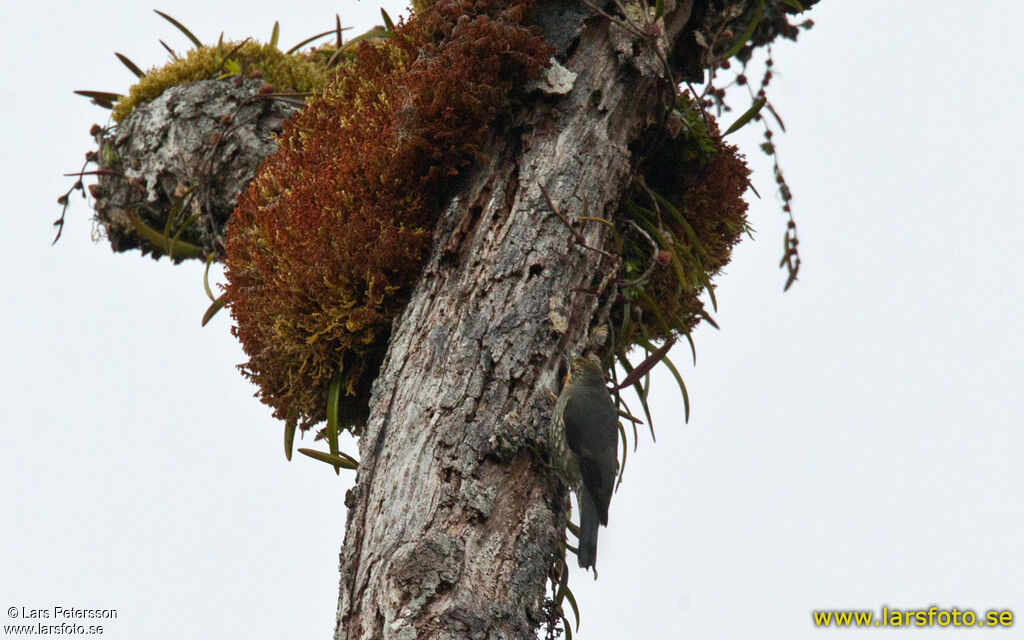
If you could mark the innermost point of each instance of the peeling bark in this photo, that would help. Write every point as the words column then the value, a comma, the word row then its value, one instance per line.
column 187, row 153
column 454, row 519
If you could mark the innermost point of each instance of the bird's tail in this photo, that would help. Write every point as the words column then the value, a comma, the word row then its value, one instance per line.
column 589, row 521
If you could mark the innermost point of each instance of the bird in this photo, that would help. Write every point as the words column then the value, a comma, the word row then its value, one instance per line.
column 584, row 441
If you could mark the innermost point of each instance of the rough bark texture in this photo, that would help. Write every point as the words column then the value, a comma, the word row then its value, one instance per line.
column 190, row 151
column 454, row 520
column 455, row 517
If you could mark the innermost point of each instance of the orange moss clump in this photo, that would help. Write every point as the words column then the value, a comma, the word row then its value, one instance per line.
column 329, row 238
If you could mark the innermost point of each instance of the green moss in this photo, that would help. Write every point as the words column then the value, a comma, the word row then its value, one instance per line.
column 299, row 72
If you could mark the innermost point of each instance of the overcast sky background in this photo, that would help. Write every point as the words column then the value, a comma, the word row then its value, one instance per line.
column 855, row 442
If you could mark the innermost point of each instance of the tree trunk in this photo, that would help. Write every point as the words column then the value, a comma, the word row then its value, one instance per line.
column 454, row 519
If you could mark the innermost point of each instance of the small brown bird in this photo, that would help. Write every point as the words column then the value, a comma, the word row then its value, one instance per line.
column 584, row 438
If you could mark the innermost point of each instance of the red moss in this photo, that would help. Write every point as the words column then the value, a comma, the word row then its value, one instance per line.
column 712, row 202
column 329, row 238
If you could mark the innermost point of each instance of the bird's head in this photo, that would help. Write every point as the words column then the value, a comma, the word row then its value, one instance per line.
column 585, row 369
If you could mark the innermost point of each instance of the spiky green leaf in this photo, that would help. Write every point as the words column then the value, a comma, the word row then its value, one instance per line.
column 628, row 416
column 340, row 461
column 693, row 347
column 675, row 373
column 625, row 453
column 289, row 435
column 642, row 369
column 333, row 397
column 175, row 249
column 747, row 116
column 747, row 33
column 212, row 310
column 177, row 234
column 139, row 73
column 572, row 603
column 624, row 361
column 174, row 56
column 329, row 32
column 181, row 28
column 206, row 277
column 388, row 24
column 573, row 528
column 104, row 99
column 275, row 34
column 372, row 33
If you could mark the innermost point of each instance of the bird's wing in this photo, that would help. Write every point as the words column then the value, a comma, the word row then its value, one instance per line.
column 592, row 432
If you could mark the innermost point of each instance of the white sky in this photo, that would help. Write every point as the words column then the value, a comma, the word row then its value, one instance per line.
column 854, row 442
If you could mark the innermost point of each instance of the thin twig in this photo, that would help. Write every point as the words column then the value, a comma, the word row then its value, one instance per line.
column 651, row 264
column 622, row 23
column 580, row 239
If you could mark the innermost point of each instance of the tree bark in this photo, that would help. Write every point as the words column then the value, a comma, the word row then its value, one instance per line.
column 454, row 519
column 187, row 153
